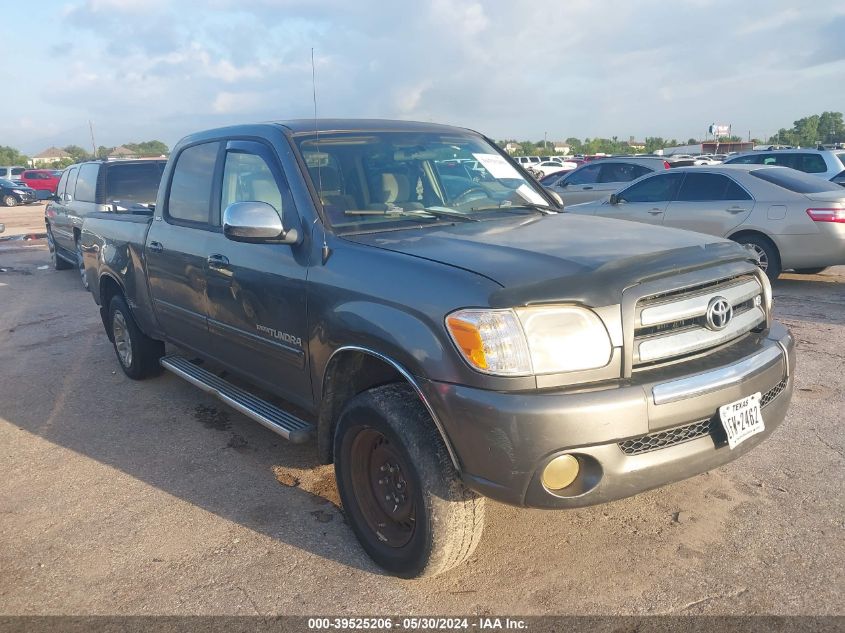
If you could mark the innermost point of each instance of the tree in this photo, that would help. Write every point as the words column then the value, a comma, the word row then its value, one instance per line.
column 149, row 148
column 11, row 156
column 77, row 153
column 826, row 127
column 692, row 141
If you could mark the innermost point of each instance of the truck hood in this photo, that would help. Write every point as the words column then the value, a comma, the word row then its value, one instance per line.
column 561, row 257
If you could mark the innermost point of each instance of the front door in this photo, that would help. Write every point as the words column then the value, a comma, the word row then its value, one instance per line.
column 60, row 225
column 646, row 200
column 176, row 248
column 256, row 292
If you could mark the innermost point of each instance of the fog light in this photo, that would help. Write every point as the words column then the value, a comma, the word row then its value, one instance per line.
column 560, row 472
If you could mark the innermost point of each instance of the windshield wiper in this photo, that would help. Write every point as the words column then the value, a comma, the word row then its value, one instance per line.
column 417, row 214
column 542, row 208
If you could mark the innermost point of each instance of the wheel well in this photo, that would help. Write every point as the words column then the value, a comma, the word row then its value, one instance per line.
column 349, row 373
column 108, row 289
column 736, row 237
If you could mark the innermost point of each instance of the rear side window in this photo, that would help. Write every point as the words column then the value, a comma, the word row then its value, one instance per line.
column 794, row 180
column 133, row 182
column 700, row 187
column 190, row 188
column 71, row 180
column 621, row 172
column 86, row 183
column 748, row 159
column 660, row 188
column 811, row 163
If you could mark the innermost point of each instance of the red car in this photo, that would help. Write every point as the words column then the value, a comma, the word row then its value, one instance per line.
column 41, row 179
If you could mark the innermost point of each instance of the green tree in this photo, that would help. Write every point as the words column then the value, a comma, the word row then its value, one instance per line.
column 103, row 151
column 77, row 153
column 11, row 156
column 149, row 148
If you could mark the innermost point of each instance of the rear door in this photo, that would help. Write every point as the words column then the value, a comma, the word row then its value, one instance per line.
column 645, row 200
column 709, row 203
column 256, row 292
column 177, row 247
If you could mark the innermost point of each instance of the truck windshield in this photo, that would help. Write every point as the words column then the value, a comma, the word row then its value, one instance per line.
column 370, row 181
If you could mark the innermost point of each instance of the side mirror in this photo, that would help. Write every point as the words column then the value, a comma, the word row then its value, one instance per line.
column 256, row 222
column 555, row 195
column 615, row 199
column 66, row 198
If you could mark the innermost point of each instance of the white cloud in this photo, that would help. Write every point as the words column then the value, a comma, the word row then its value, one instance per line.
column 236, row 102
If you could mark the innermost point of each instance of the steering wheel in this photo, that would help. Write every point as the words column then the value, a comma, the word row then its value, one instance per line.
column 467, row 196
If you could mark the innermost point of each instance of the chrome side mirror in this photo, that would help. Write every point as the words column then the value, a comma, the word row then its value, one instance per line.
column 256, row 222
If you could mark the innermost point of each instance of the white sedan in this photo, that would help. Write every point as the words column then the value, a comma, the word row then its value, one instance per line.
column 547, row 167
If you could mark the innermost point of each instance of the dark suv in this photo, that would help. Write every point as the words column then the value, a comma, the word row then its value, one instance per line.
column 117, row 186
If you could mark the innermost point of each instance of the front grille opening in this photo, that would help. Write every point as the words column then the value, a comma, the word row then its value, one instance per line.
column 711, row 426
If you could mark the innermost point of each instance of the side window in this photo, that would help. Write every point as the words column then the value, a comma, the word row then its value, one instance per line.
column 617, row 172
column 812, row 163
column 734, row 192
column 750, row 159
column 17, row 171
column 86, row 183
column 660, row 188
column 189, row 199
column 774, row 159
column 60, row 189
column 4, row 172
column 584, row 176
column 71, row 181
column 701, row 187
column 248, row 178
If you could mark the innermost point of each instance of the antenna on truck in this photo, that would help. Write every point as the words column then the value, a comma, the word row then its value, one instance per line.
column 326, row 251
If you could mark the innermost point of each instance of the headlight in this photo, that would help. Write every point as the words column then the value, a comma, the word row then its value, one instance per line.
column 524, row 341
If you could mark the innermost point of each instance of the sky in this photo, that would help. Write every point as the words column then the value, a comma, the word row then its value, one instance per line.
column 161, row 69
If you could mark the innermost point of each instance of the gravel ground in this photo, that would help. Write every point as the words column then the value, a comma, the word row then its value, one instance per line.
column 120, row 497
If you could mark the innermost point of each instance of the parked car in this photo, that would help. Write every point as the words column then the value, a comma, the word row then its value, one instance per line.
column 90, row 187
column 11, row 172
column 13, row 193
column 705, row 159
column 598, row 178
column 442, row 347
column 790, row 219
column 46, row 180
column 826, row 164
column 547, row 167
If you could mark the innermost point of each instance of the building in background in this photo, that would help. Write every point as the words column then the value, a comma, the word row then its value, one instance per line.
column 49, row 156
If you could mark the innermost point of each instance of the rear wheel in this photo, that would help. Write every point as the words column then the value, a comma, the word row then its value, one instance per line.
column 402, row 495
column 768, row 258
column 810, row 271
column 10, row 201
column 137, row 353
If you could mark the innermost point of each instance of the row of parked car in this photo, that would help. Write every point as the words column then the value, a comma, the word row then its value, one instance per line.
column 19, row 185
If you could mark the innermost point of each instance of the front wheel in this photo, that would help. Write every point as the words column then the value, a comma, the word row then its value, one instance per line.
column 10, row 201
column 137, row 353
column 401, row 493
column 768, row 258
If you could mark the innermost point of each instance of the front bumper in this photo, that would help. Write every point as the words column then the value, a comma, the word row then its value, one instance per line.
column 626, row 436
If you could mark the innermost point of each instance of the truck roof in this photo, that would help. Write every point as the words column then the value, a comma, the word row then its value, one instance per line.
column 360, row 125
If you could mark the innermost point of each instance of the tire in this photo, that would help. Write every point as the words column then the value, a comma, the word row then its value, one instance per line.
column 80, row 266
column 810, row 271
column 10, row 201
column 136, row 352
column 58, row 262
column 767, row 252
column 436, row 521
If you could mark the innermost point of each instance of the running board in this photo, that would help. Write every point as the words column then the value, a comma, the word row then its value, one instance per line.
column 288, row 426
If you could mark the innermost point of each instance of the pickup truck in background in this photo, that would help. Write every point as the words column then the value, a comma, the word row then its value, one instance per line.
column 441, row 344
column 98, row 185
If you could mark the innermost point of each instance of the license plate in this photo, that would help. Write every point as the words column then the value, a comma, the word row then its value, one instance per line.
column 742, row 419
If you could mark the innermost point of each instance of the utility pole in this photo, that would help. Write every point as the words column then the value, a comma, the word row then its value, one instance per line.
column 93, row 144
column 544, row 142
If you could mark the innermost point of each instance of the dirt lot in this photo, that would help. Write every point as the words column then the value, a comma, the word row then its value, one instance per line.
column 22, row 220
column 119, row 497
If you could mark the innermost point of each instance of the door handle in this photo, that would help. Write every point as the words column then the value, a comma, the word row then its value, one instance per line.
column 156, row 247
column 736, row 210
column 218, row 262
column 586, row 188
column 655, row 212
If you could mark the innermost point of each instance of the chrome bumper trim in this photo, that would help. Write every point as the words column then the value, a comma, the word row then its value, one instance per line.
column 718, row 378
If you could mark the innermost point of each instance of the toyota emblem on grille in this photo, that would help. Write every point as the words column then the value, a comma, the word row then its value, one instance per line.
column 719, row 313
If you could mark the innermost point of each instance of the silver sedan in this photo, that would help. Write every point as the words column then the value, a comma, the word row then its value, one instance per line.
column 790, row 219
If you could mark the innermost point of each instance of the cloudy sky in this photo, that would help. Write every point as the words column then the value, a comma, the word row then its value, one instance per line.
column 144, row 69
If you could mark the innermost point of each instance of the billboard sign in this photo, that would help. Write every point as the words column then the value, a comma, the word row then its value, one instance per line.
column 719, row 130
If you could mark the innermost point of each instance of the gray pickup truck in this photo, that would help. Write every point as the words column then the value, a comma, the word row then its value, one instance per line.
column 443, row 335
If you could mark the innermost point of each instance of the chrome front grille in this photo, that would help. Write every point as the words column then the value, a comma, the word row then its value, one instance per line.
column 692, row 431
column 672, row 325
